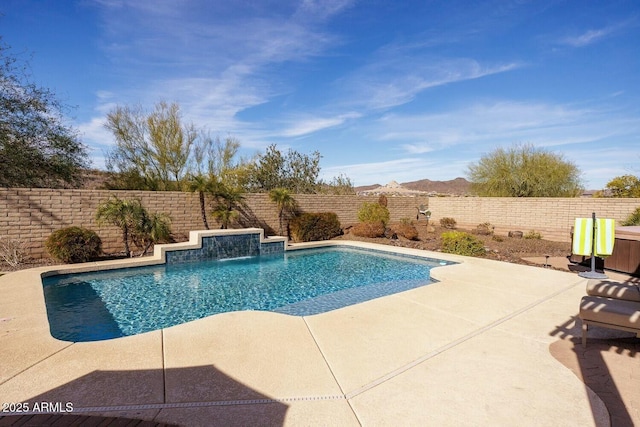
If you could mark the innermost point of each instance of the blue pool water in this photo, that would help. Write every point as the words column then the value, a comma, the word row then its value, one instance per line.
column 116, row 303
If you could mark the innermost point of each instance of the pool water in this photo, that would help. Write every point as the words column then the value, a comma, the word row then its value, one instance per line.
column 116, row 303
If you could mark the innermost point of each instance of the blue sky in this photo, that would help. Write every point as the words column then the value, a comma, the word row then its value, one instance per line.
column 383, row 89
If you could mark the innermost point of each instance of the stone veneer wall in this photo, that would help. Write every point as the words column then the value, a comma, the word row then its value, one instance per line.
column 31, row 215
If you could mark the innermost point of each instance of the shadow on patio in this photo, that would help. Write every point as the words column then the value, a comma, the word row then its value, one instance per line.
column 609, row 366
column 201, row 395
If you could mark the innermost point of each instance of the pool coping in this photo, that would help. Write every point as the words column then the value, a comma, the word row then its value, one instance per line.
column 345, row 385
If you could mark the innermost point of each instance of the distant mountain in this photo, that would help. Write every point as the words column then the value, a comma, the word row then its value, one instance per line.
column 458, row 187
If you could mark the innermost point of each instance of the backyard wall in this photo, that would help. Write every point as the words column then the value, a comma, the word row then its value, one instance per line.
column 31, row 215
column 552, row 217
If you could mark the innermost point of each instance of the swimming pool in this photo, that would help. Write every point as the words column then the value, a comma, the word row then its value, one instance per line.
column 116, row 303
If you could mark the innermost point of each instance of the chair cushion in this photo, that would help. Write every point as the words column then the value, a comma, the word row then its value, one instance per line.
column 611, row 289
column 611, row 311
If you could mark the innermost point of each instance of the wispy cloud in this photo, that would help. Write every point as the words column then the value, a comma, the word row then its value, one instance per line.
column 305, row 126
column 396, row 79
column 593, row 36
column 587, row 38
column 503, row 122
column 193, row 52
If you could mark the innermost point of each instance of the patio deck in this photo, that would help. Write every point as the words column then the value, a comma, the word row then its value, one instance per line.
column 472, row 349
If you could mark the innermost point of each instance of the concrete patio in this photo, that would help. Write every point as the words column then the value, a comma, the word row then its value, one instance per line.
column 472, row 349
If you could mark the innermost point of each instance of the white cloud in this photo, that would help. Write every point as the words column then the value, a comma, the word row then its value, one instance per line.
column 305, row 126
column 592, row 36
column 503, row 122
column 397, row 79
column 585, row 39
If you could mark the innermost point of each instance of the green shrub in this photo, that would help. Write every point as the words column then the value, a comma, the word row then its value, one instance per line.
column 484, row 229
column 448, row 223
column 461, row 243
column 309, row 227
column 368, row 229
column 533, row 235
column 373, row 212
column 74, row 244
column 633, row 219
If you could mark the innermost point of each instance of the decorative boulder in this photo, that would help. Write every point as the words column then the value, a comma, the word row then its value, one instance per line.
column 516, row 234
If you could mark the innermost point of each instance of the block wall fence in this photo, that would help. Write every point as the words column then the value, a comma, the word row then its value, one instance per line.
column 31, row 215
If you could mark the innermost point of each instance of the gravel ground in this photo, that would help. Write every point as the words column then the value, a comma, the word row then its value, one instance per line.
column 501, row 248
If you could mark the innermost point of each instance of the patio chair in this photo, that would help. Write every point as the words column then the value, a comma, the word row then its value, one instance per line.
column 422, row 210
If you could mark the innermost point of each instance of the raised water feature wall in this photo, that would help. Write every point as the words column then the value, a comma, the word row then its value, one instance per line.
column 221, row 244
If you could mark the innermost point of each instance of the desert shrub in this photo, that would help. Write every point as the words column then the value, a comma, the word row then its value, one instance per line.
column 448, row 223
column 373, row 212
column 484, row 229
column 314, row 226
column 533, row 235
column 461, row 243
column 368, row 229
column 12, row 251
column 406, row 230
column 382, row 200
column 497, row 238
column 633, row 219
column 74, row 244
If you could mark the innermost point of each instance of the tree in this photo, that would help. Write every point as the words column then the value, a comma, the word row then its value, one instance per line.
column 524, row 171
column 152, row 149
column 150, row 229
column 124, row 214
column 37, row 148
column 227, row 200
column 339, row 185
column 285, row 202
column 137, row 225
column 201, row 184
column 296, row 172
column 624, row 186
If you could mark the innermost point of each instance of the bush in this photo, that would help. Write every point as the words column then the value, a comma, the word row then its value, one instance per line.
column 406, row 230
column 533, row 235
column 368, row 229
column 484, row 229
column 373, row 212
column 460, row 243
column 12, row 251
column 497, row 238
column 448, row 223
column 633, row 219
column 74, row 244
column 308, row 227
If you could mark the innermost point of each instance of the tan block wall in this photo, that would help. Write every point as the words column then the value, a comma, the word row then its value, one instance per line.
column 31, row 215
column 552, row 217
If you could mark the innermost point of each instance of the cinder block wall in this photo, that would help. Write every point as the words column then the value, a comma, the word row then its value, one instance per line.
column 31, row 215
column 552, row 217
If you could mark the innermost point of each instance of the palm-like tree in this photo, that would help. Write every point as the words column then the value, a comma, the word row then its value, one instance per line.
column 202, row 184
column 227, row 200
column 285, row 202
column 151, row 229
column 124, row 214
